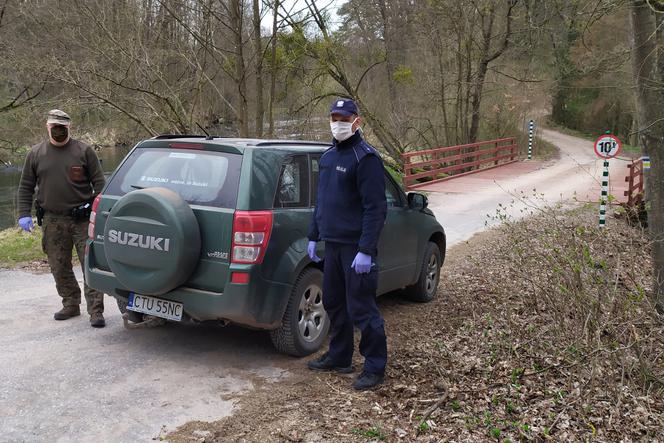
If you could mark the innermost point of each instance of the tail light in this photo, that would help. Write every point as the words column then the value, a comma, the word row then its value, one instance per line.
column 251, row 234
column 93, row 217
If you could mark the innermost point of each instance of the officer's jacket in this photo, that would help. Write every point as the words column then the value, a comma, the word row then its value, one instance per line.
column 351, row 205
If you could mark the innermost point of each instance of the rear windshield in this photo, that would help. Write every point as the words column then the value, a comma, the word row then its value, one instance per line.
column 200, row 177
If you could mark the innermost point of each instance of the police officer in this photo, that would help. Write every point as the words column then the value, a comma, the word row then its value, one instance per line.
column 350, row 213
column 68, row 175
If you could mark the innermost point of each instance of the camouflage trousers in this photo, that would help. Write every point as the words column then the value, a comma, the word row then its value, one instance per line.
column 60, row 234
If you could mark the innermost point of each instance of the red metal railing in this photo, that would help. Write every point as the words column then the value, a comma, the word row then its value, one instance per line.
column 634, row 192
column 456, row 160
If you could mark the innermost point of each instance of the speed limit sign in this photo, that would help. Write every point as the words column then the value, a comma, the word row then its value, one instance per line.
column 607, row 146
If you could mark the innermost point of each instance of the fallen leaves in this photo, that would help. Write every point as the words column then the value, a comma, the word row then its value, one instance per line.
column 541, row 330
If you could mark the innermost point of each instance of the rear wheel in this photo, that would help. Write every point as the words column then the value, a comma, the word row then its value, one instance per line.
column 427, row 284
column 305, row 324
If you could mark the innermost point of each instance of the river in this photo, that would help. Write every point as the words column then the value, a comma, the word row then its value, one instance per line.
column 9, row 177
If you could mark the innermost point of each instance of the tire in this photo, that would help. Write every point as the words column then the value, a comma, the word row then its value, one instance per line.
column 305, row 324
column 152, row 240
column 135, row 317
column 427, row 284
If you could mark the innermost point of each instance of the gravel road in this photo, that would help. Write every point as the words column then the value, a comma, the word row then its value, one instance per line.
column 467, row 205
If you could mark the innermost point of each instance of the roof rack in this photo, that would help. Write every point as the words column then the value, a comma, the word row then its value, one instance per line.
column 291, row 143
column 170, row 136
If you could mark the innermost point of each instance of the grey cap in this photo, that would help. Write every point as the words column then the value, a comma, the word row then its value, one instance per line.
column 58, row 117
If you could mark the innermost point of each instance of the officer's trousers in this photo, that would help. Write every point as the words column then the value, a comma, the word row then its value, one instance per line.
column 60, row 234
column 350, row 300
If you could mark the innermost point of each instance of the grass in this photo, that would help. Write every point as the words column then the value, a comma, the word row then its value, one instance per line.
column 373, row 432
column 542, row 149
column 17, row 246
column 631, row 151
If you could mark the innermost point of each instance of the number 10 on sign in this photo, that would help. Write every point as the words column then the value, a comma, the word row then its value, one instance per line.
column 606, row 146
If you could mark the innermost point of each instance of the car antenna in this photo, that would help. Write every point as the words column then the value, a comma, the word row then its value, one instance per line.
column 208, row 136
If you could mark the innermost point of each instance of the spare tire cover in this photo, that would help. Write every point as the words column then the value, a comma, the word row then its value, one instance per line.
column 152, row 240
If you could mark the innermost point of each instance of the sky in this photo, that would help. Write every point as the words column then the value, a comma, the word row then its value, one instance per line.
column 299, row 5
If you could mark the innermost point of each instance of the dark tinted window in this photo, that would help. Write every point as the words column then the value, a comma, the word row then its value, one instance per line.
column 293, row 187
column 392, row 194
column 199, row 177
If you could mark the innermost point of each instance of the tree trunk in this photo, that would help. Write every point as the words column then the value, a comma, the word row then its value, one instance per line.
column 443, row 95
column 487, row 57
column 258, row 47
column 273, row 71
column 390, row 52
column 487, row 35
column 649, row 97
column 237, row 18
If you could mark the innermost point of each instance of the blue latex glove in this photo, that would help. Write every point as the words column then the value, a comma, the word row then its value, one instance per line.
column 26, row 224
column 311, row 251
column 362, row 263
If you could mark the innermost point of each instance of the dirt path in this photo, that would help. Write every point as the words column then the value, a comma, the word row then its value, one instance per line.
column 468, row 204
column 67, row 382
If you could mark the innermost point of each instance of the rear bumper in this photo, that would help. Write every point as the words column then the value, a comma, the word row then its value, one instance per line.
column 259, row 304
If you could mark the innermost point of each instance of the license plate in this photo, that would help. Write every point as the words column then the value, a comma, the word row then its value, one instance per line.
column 144, row 304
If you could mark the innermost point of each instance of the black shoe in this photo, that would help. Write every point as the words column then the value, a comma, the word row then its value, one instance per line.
column 367, row 380
column 325, row 364
column 97, row 320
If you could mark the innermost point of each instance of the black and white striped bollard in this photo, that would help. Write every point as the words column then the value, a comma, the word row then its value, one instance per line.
column 605, row 195
column 531, row 126
column 606, row 146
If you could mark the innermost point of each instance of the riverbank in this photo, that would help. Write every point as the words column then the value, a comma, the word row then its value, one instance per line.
column 22, row 250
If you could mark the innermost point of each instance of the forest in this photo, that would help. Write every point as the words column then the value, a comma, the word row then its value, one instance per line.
column 426, row 73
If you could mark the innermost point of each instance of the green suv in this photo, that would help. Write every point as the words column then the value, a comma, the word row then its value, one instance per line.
column 215, row 229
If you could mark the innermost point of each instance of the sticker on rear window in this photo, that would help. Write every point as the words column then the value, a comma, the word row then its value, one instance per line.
column 145, row 178
column 182, row 155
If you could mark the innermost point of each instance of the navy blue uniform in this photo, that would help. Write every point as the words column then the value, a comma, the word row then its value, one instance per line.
column 350, row 213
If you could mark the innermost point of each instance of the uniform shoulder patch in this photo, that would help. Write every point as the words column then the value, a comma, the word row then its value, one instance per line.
column 364, row 149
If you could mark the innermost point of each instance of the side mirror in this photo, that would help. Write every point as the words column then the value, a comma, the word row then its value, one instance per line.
column 417, row 201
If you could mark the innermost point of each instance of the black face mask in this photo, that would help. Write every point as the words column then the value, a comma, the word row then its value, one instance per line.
column 59, row 133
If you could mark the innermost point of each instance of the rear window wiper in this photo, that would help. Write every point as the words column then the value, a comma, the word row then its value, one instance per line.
column 137, row 187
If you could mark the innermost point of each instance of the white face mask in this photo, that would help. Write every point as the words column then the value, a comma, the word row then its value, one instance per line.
column 342, row 130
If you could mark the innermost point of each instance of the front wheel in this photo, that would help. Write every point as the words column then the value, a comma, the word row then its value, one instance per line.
column 305, row 324
column 427, row 284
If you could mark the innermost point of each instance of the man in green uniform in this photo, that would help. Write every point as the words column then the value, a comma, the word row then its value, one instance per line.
column 67, row 175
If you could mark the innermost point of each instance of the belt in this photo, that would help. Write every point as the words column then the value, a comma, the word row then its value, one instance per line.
column 60, row 213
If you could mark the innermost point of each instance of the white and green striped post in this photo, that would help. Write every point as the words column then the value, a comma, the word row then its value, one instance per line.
column 605, row 194
column 606, row 146
column 531, row 127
